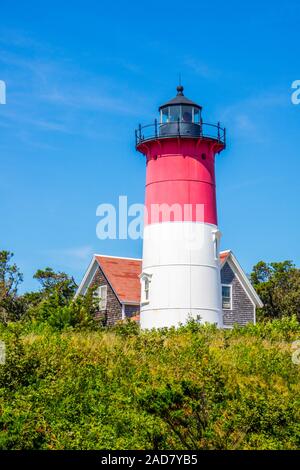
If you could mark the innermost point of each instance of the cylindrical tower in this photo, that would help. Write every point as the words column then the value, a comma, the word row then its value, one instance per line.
column 181, row 274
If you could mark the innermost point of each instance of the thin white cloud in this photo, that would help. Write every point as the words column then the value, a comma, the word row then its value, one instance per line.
column 70, row 258
column 243, row 184
column 85, row 97
column 51, row 94
column 17, row 38
column 125, row 64
column 33, row 122
column 81, row 252
column 200, row 68
column 244, row 115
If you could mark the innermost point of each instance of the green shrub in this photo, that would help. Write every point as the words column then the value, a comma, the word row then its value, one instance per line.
column 60, row 314
column 195, row 387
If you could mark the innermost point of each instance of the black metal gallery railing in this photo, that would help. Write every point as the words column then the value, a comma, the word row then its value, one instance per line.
column 180, row 129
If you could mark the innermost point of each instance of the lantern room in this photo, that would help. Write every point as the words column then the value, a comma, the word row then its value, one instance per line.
column 180, row 116
column 180, row 109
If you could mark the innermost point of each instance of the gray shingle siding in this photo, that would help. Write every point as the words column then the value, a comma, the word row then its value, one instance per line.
column 243, row 310
column 113, row 312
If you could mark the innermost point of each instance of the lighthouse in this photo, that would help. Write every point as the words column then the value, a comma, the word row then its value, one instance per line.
column 180, row 276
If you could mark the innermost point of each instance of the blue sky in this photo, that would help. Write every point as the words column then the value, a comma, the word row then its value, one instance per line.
column 81, row 75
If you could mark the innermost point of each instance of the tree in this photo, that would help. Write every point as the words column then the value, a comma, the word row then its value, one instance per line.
column 278, row 285
column 10, row 276
column 57, row 291
column 11, row 308
column 59, row 283
column 55, row 305
column 79, row 312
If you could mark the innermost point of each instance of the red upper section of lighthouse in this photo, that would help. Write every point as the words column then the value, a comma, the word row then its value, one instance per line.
column 180, row 152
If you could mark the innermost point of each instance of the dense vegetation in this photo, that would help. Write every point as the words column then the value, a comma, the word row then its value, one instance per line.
column 70, row 383
column 192, row 388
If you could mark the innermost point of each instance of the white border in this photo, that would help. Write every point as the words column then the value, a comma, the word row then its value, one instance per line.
column 230, row 286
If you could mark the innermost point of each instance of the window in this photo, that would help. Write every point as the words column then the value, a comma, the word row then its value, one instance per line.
column 101, row 293
column 226, row 297
column 145, row 281
column 196, row 115
column 146, row 289
column 164, row 115
column 175, row 113
column 216, row 239
column 216, row 248
column 186, row 113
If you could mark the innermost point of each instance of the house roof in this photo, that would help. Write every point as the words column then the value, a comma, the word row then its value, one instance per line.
column 123, row 276
column 223, row 256
column 244, row 280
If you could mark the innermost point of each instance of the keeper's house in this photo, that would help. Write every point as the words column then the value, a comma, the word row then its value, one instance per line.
column 118, row 286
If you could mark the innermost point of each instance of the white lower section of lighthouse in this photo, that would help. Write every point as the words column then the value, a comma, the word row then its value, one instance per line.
column 181, row 274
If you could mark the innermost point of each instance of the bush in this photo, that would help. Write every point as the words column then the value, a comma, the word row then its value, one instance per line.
column 196, row 387
column 51, row 310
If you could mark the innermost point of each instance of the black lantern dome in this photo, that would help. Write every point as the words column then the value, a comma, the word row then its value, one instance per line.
column 180, row 99
column 182, row 112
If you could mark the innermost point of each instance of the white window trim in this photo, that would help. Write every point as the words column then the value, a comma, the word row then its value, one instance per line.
column 102, row 298
column 123, row 311
column 216, row 239
column 143, row 278
column 230, row 287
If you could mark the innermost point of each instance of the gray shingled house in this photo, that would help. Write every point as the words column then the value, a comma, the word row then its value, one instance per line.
column 117, row 284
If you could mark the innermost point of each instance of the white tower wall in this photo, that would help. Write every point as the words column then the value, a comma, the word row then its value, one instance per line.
column 181, row 262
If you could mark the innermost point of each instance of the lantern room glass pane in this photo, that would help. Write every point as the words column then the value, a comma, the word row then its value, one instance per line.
column 196, row 115
column 186, row 114
column 174, row 113
column 165, row 115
